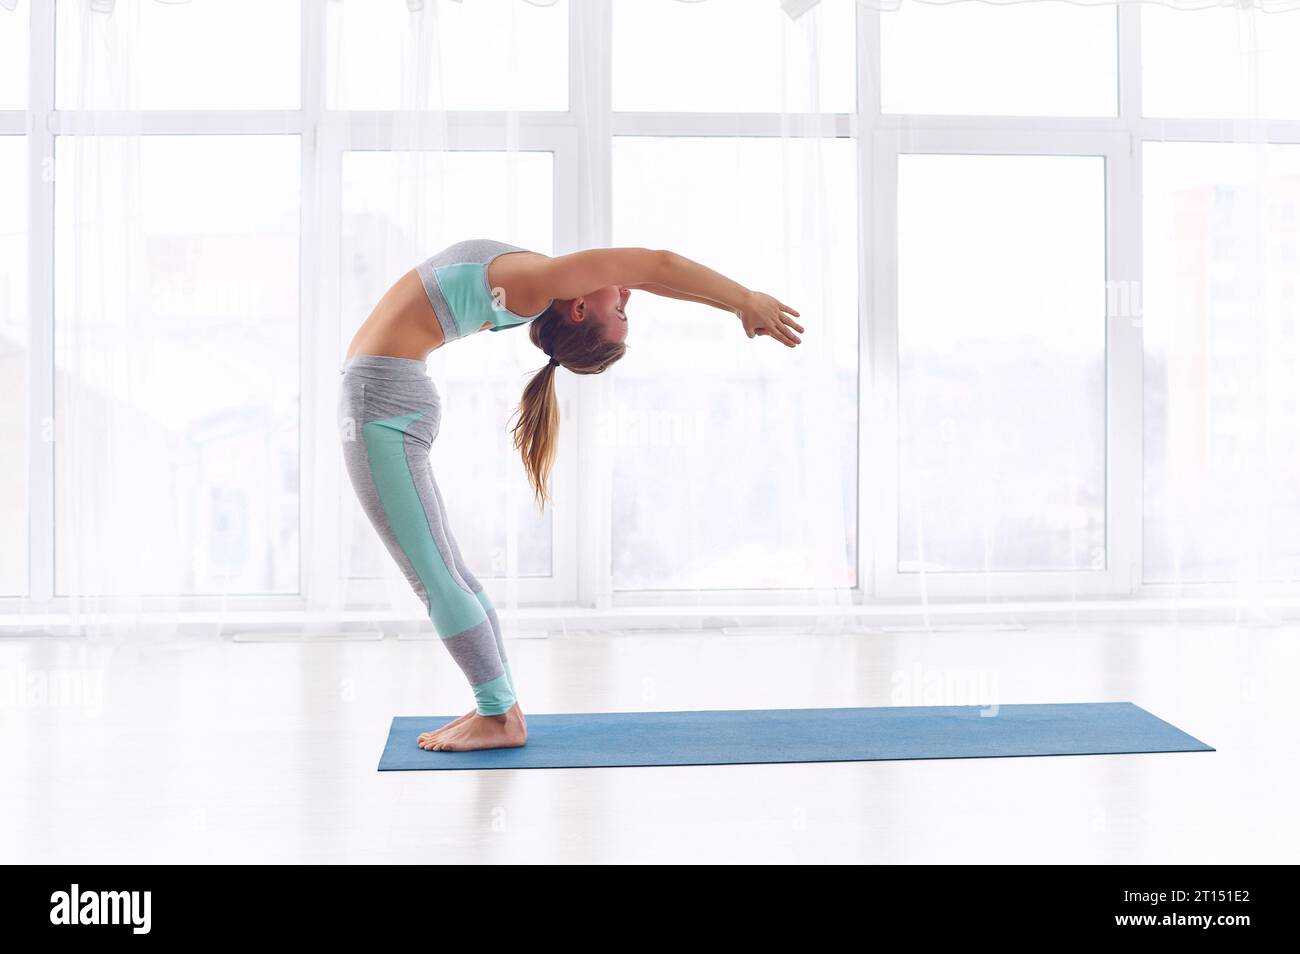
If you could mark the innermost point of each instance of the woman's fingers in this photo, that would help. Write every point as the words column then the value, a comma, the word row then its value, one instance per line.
column 777, row 325
column 786, row 338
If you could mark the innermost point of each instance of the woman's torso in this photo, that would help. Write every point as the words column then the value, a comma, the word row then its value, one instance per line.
column 448, row 296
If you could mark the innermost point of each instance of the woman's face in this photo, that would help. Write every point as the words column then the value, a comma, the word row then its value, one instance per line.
column 607, row 307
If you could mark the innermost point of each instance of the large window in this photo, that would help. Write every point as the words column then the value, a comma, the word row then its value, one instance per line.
column 1059, row 299
column 1086, row 331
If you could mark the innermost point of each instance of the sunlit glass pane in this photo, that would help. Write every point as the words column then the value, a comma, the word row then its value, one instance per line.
column 731, row 56
column 1221, row 233
column 14, row 355
column 236, row 54
column 1023, row 59
column 1220, row 62
column 487, row 54
column 15, row 31
column 1002, row 340
column 717, row 482
column 176, row 375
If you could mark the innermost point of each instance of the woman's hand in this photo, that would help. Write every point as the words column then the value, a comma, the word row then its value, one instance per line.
column 764, row 315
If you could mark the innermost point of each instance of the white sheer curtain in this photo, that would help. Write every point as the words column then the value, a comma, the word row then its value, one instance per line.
column 735, row 460
column 1265, row 6
column 1043, row 449
column 206, row 286
column 633, row 436
column 405, row 184
column 174, row 384
column 218, row 234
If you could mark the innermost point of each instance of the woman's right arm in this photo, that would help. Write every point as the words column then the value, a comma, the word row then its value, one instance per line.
column 579, row 273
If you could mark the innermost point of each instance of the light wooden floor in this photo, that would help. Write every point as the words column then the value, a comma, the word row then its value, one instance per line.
column 224, row 752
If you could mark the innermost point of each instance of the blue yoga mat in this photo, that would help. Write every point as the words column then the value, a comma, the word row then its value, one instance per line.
column 735, row 736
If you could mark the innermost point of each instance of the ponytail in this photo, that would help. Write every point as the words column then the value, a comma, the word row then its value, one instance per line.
column 577, row 346
column 536, row 434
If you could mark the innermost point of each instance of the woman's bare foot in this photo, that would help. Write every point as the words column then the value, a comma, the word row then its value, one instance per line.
column 504, row 731
column 442, row 730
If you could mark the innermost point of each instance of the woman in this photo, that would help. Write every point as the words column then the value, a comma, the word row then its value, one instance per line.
column 575, row 307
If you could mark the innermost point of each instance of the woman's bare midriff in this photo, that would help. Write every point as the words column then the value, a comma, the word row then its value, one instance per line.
column 404, row 325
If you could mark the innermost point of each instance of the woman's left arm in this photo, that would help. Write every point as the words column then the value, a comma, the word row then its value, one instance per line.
column 759, row 313
column 665, row 292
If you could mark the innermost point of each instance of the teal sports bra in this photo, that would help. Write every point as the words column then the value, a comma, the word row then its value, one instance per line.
column 455, row 280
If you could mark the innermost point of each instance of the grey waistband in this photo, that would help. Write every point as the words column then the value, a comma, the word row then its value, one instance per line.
column 385, row 366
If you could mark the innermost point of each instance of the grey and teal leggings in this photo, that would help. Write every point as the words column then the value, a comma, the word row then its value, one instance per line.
column 389, row 412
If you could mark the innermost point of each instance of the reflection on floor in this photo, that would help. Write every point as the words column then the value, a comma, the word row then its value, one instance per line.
column 223, row 752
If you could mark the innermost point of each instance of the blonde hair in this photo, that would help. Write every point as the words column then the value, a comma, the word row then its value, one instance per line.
column 578, row 346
